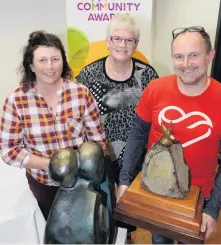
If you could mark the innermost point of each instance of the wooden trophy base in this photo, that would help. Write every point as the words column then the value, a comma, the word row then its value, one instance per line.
column 179, row 219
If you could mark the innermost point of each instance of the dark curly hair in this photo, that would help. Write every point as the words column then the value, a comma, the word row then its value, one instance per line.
column 36, row 39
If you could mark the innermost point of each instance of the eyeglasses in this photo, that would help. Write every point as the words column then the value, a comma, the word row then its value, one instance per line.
column 117, row 40
column 190, row 29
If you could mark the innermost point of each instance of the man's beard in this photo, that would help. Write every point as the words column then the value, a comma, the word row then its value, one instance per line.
column 195, row 80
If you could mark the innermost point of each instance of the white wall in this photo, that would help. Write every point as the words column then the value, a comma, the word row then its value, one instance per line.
column 171, row 14
column 17, row 20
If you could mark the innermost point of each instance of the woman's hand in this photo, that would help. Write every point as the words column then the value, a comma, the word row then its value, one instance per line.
column 38, row 162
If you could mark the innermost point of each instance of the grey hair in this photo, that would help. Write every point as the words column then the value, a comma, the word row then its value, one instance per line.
column 123, row 21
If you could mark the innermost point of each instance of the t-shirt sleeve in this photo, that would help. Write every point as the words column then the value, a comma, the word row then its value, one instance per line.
column 144, row 107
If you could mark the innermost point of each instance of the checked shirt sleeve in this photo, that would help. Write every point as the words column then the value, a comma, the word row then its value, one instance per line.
column 11, row 137
column 93, row 123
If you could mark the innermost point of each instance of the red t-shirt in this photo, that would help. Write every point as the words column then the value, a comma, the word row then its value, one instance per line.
column 196, row 124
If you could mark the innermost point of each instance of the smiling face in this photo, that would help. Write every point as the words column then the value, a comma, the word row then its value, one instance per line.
column 122, row 51
column 190, row 58
column 47, row 65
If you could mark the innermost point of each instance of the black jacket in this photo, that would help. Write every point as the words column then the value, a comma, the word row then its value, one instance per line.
column 133, row 158
column 214, row 203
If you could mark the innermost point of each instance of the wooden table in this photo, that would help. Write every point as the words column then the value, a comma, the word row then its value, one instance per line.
column 178, row 219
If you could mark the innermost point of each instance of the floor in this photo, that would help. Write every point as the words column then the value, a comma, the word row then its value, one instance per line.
column 141, row 236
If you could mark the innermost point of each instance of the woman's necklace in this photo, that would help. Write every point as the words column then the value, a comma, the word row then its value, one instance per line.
column 116, row 75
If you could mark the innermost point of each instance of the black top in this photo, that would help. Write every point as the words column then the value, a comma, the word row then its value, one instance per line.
column 116, row 100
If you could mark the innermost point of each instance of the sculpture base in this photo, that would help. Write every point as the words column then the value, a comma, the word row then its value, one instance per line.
column 179, row 219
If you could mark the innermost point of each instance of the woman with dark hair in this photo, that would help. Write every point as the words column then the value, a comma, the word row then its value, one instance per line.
column 46, row 113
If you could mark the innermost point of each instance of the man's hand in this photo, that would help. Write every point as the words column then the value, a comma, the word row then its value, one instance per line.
column 208, row 225
column 120, row 191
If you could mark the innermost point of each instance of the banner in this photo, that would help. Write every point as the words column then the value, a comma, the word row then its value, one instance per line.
column 87, row 22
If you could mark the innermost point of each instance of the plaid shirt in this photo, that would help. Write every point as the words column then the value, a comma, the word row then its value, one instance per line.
column 29, row 127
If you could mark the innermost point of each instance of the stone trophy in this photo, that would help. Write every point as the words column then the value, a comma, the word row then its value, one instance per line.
column 164, row 169
column 79, row 213
column 160, row 199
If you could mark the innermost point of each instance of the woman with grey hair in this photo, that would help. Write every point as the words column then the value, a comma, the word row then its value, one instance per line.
column 116, row 82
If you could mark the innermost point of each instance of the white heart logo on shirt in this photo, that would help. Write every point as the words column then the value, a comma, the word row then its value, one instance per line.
column 206, row 121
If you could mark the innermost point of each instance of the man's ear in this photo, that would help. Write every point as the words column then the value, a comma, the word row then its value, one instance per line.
column 211, row 55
